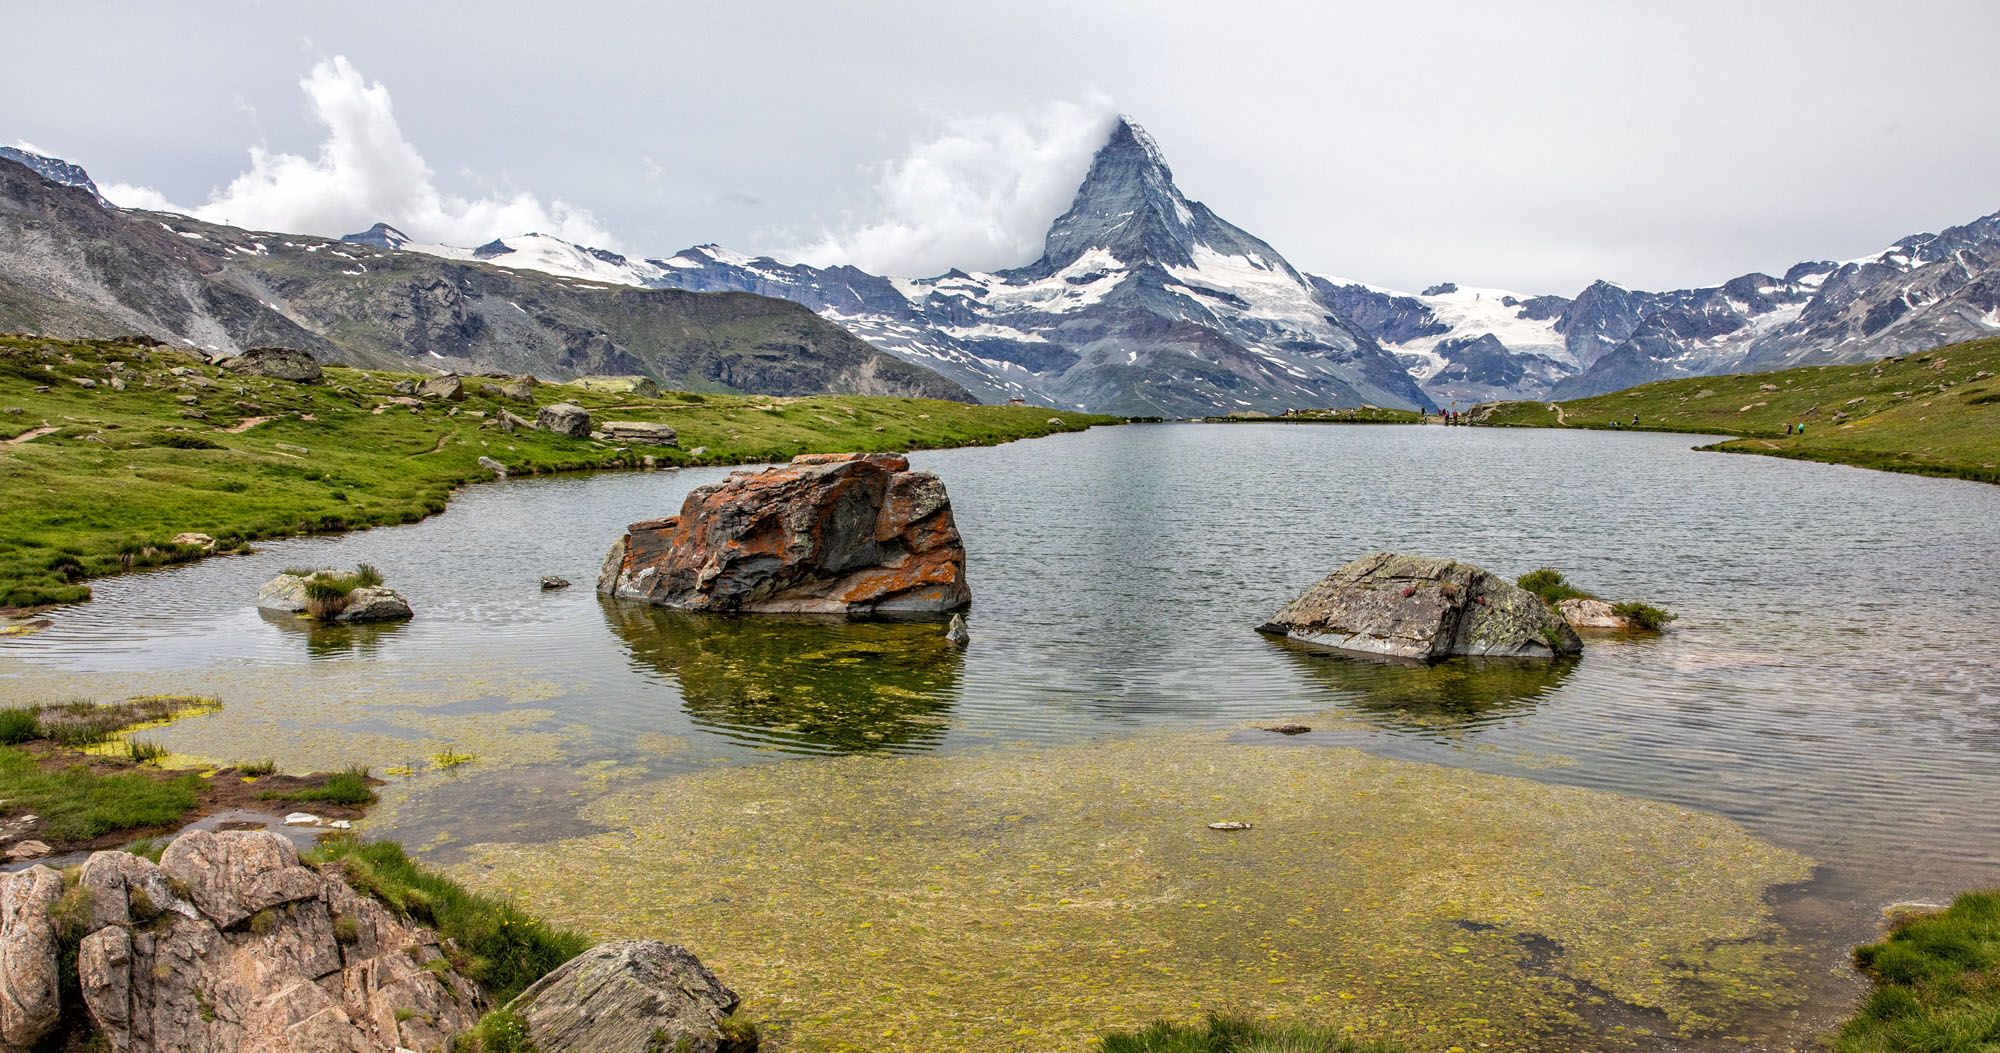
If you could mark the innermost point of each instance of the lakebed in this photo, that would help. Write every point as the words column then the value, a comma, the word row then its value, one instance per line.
column 888, row 843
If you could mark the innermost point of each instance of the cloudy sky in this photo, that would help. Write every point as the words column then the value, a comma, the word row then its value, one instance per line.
column 1533, row 146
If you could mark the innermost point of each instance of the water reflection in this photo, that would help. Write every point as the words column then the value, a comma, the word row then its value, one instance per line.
column 334, row 641
column 1456, row 695
column 801, row 685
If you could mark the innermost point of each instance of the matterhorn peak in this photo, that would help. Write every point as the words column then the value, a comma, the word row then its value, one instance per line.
column 1127, row 205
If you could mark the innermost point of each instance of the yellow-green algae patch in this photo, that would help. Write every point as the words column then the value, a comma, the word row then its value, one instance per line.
column 325, row 716
column 1028, row 899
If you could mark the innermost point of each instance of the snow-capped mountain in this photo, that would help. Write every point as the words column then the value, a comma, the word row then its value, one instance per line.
column 1145, row 302
column 1463, row 344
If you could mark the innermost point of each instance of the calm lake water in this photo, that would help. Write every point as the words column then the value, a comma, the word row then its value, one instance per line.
column 1831, row 682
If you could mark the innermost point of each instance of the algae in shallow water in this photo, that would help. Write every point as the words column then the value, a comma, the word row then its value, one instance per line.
column 1029, row 899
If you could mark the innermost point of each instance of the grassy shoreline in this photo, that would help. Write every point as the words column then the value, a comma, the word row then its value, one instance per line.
column 110, row 449
column 1935, row 413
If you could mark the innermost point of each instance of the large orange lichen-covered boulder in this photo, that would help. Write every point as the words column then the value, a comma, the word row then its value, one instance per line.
column 842, row 533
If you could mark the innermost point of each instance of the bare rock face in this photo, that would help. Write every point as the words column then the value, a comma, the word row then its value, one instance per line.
column 564, row 418
column 633, row 996
column 1423, row 609
column 848, row 534
column 29, row 1000
column 279, row 363
column 263, row 953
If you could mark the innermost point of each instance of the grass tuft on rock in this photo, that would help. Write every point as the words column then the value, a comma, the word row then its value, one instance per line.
column 495, row 944
column 1222, row 1034
column 1937, row 984
column 497, row 1032
column 1643, row 615
column 1550, row 585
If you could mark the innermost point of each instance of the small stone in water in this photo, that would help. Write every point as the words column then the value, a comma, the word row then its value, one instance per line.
column 553, row 582
column 1229, row 825
column 302, row 819
column 1289, row 729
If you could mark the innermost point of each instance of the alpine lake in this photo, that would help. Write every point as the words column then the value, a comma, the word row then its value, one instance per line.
column 886, row 843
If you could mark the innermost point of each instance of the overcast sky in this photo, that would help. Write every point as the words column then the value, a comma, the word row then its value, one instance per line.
column 1533, row 146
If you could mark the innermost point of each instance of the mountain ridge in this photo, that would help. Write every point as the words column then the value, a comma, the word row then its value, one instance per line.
column 75, row 268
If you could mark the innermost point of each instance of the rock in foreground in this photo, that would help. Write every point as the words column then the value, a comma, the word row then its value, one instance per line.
column 1424, row 609
column 230, row 943
column 633, row 996
column 849, row 534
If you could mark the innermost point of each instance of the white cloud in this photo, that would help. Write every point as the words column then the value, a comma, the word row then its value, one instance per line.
column 979, row 196
column 365, row 172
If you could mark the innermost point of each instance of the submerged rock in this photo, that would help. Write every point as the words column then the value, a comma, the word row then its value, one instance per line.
column 632, row 996
column 1591, row 613
column 1424, row 609
column 278, row 363
column 850, row 534
column 550, row 582
column 564, row 418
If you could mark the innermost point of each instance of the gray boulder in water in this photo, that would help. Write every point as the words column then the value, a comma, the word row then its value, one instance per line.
column 632, row 996
column 1424, row 609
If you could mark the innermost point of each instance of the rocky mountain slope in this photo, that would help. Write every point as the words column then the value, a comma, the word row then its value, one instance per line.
column 71, row 267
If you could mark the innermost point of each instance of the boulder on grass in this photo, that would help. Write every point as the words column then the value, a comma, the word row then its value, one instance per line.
column 1424, row 609
column 447, row 387
column 564, row 418
column 632, row 996
column 639, row 431
column 278, row 363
